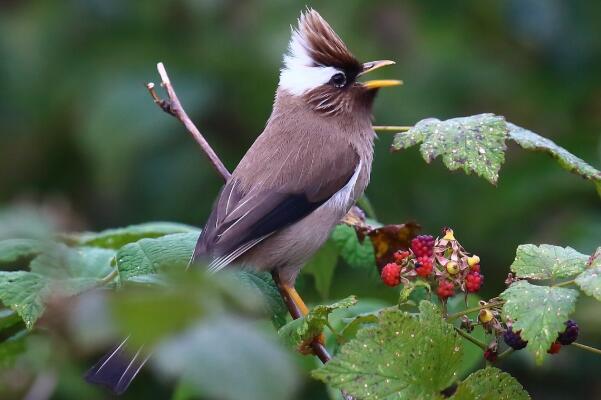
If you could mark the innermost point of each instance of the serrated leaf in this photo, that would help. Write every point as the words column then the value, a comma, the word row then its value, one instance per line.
column 321, row 267
column 262, row 283
column 118, row 237
column 24, row 292
column 531, row 141
column 149, row 256
column 590, row 282
column 539, row 312
column 304, row 329
column 547, row 262
column 490, row 384
column 474, row 144
column 356, row 254
column 57, row 271
column 16, row 251
column 229, row 358
column 403, row 357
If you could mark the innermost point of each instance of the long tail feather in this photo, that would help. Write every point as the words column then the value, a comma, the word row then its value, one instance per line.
column 117, row 368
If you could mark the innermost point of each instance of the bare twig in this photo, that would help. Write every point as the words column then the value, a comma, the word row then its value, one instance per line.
column 174, row 107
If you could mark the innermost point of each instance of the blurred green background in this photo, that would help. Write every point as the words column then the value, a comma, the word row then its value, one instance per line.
column 81, row 139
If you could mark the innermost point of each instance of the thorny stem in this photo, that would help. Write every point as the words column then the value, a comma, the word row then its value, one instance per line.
column 470, row 338
column 587, row 348
column 174, row 107
column 566, row 283
column 453, row 316
column 390, row 128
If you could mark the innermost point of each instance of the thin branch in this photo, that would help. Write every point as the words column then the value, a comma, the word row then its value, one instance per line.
column 587, row 348
column 381, row 128
column 174, row 107
column 451, row 317
column 566, row 283
column 470, row 338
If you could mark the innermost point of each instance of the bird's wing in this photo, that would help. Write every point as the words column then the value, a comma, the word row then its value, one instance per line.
column 239, row 220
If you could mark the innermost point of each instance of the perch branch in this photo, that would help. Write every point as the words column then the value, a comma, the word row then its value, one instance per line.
column 379, row 128
column 173, row 107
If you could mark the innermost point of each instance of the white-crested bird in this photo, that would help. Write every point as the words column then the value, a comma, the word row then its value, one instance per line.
column 296, row 182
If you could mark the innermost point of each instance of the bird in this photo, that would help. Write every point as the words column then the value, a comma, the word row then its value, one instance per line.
column 299, row 178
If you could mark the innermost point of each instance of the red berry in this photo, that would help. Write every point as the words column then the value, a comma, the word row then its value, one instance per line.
column 391, row 274
column 473, row 281
column 490, row 355
column 554, row 349
column 400, row 255
column 475, row 267
column 445, row 290
column 423, row 266
column 423, row 245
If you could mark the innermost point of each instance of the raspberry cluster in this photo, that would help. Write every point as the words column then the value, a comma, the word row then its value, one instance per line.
column 441, row 261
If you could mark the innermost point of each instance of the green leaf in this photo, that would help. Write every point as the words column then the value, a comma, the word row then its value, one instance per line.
column 116, row 238
column 57, row 271
column 531, row 141
column 8, row 319
column 15, row 252
column 474, row 144
column 149, row 256
column 590, row 282
column 354, row 253
column 403, row 357
column 539, row 312
column 229, row 358
column 322, row 267
column 24, row 292
column 306, row 328
column 11, row 348
column 262, row 283
column 490, row 384
column 547, row 262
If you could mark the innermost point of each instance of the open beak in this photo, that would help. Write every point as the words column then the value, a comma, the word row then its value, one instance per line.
column 379, row 83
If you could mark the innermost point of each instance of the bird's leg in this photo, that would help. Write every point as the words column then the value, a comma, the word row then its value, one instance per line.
column 297, row 308
column 291, row 293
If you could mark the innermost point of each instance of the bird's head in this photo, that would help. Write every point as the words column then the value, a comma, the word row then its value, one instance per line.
column 320, row 68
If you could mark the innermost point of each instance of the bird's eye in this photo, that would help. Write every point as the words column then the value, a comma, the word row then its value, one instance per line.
column 339, row 80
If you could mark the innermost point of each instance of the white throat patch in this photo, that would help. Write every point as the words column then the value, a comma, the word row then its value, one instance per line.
column 300, row 73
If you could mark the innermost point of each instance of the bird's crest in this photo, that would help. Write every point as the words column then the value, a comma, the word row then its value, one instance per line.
column 315, row 53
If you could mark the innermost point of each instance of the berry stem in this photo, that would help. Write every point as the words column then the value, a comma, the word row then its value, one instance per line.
column 470, row 338
column 566, row 283
column 453, row 316
column 587, row 348
column 390, row 128
column 505, row 353
column 339, row 337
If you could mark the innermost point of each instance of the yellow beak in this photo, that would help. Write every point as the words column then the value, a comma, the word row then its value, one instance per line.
column 380, row 83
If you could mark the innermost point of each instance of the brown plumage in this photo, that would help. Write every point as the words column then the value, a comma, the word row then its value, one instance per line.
column 299, row 178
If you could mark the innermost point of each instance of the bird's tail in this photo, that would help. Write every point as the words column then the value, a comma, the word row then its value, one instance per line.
column 118, row 368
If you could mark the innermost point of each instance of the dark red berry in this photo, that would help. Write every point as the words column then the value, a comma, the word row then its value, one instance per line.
column 514, row 340
column 391, row 274
column 570, row 334
column 490, row 355
column 475, row 267
column 424, row 266
column 400, row 255
column 554, row 349
column 445, row 290
column 473, row 281
column 423, row 245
